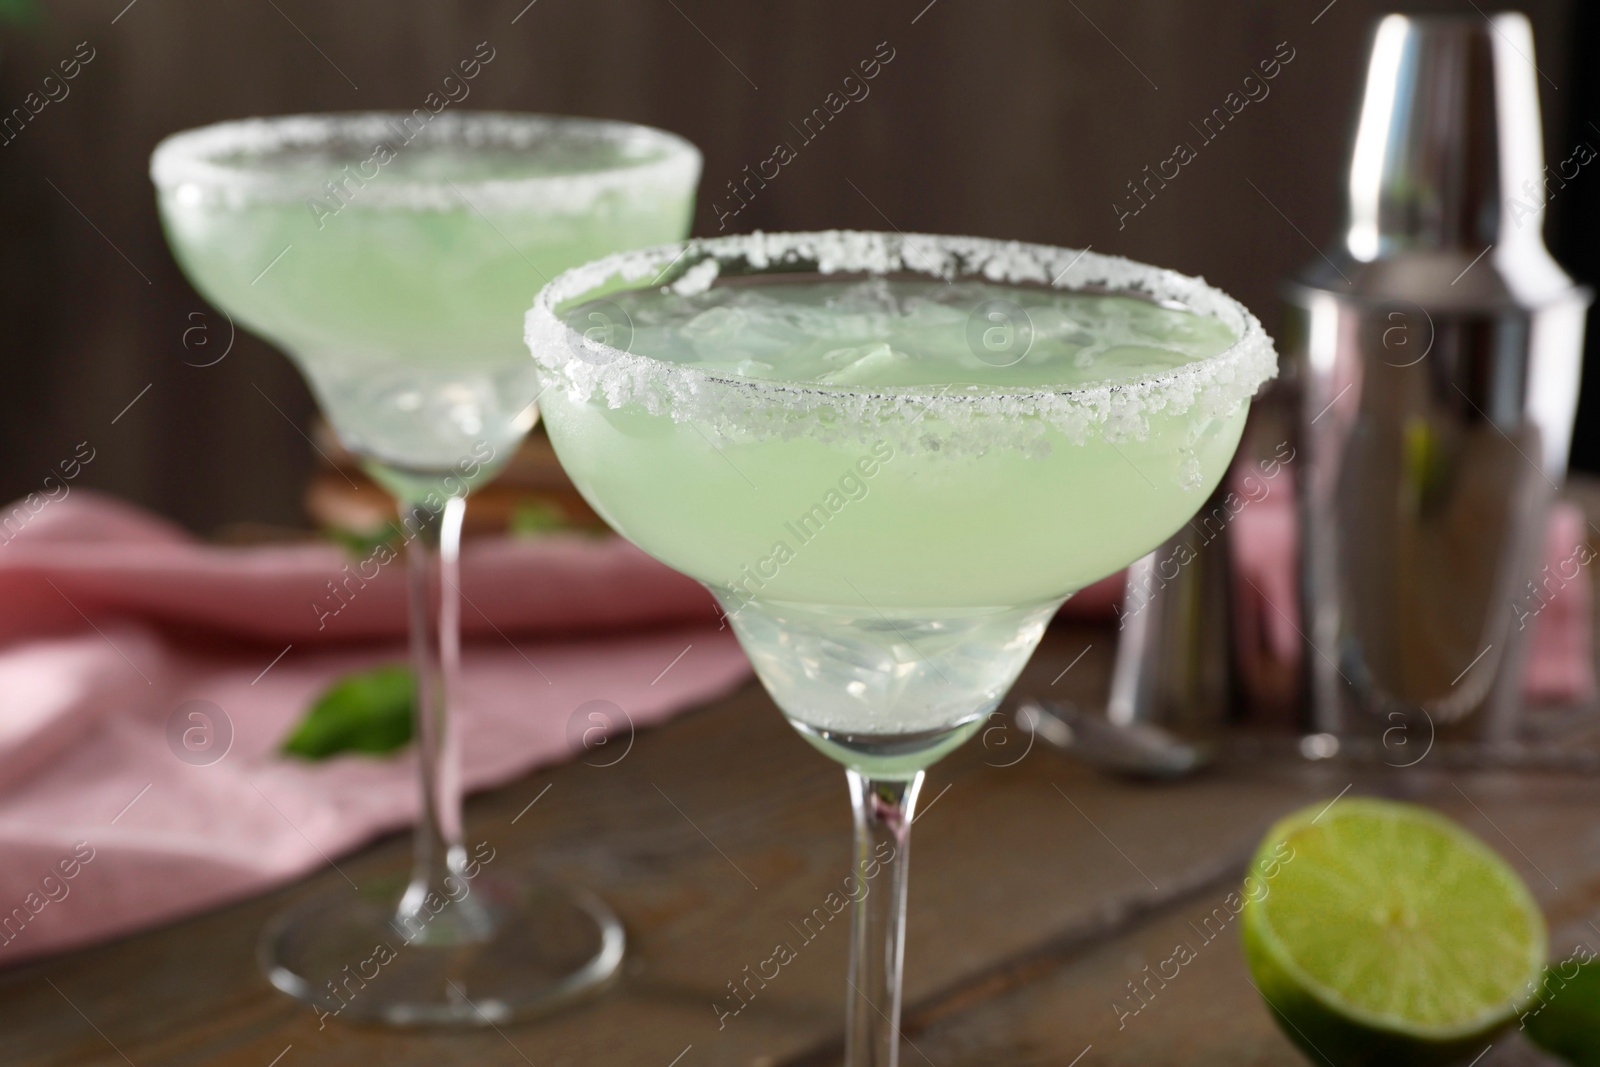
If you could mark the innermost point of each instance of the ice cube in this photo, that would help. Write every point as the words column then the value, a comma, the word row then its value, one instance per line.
column 863, row 364
column 714, row 325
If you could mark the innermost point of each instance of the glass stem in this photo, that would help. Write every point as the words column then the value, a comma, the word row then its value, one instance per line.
column 883, row 813
column 439, row 857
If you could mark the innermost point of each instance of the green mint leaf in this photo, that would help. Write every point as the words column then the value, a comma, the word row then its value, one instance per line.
column 532, row 518
column 19, row 12
column 363, row 543
column 368, row 712
column 1565, row 1019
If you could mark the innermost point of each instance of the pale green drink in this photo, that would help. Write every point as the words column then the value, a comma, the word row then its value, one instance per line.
column 394, row 263
column 892, row 483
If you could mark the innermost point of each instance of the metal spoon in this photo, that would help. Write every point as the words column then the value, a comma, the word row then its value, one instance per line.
column 1139, row 750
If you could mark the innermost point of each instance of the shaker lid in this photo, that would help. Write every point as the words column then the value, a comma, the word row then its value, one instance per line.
column 1447, row 184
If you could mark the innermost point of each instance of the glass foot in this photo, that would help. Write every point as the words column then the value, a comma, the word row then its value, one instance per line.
column 494, row 952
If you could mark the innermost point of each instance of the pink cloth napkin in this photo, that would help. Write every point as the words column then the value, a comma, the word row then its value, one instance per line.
column 1559, row 668
column 1561, row 657
column 115, row 620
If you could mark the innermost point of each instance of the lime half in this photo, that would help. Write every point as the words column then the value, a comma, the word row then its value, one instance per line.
column 1382, row 933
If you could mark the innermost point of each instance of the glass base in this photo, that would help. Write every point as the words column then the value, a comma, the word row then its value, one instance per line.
column 497, row 952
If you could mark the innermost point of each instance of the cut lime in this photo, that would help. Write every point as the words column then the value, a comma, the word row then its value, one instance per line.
column 1383, row 933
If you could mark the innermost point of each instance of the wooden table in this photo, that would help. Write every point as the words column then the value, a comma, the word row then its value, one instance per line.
column 1040, row 888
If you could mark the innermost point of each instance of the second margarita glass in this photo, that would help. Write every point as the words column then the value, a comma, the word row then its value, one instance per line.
column 391, row 256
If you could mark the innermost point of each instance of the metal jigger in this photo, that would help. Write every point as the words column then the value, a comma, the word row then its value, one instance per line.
column 1173, row 667
column 1433, row 354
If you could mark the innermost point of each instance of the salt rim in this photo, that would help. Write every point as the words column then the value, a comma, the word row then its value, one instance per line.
column 188, row 159
column 961, row 419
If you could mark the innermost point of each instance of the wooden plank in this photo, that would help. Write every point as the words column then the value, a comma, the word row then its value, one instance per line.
column 1040, row 888
column 1005, row 862
column 1210, row 1014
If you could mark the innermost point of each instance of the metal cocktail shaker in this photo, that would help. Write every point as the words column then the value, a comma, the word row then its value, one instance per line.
column 1433, row 356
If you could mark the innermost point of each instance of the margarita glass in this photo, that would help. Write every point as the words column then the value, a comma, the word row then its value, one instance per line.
column 891, row 458
column 391, row 256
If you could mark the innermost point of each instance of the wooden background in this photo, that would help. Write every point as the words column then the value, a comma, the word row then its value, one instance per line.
column 1009, row 118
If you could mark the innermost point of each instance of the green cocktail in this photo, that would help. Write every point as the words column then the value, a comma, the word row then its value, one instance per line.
column 395, row 272
column 891, row 458
column 391, row 257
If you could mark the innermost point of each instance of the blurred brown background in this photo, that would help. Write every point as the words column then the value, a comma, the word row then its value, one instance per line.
column 1010, row 118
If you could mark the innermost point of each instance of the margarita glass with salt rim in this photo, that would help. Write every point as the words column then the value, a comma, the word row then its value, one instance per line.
column 887, row 633
column 391, row 256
